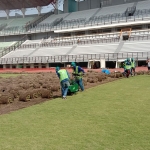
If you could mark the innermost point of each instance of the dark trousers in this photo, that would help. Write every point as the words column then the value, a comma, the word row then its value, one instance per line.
column 148, row 68
column 132, row 71
column 127, row 72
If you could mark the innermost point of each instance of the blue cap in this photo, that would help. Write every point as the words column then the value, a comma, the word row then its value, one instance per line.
column 73, row 64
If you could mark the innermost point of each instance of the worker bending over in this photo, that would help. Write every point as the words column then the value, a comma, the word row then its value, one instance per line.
column 64, row 81
column 78, row 73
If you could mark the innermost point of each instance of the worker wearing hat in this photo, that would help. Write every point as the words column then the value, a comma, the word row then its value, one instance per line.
column 128, row 67
column 132, row 67
column 78, row 73
column 64, row 81
column 124, row 67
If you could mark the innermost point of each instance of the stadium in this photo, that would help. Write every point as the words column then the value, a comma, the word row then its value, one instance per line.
column 90, row 31
column 45, row 42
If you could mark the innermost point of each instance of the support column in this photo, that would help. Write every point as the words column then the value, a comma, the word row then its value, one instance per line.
column 39, row 10
column 4, row 66
column 24, row 66
column 31, row 65
column 11, row 66
column 116, row 63
column 40, row 66
column 56, row 7
column 47, row 65
column 18, row 66
column 7, row 13
column 23, row 10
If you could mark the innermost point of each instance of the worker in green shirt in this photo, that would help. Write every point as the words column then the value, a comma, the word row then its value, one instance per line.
column 64, row 81
column 78, row 73
column 128, row 67
column 133, row 67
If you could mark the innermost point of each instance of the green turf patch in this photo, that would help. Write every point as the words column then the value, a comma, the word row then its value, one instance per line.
column 112, row 116
column 9, row 75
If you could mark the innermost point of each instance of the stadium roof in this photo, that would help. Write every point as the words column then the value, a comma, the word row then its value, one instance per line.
column 18, row 4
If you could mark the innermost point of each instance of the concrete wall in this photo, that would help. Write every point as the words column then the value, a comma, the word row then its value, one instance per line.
column 32, row 37
column 91, row 4
column 43, row 35
column 11, row 38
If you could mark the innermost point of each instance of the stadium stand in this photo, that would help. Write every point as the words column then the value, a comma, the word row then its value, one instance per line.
column 15, row 25
column 5, row 45
column 49, row 40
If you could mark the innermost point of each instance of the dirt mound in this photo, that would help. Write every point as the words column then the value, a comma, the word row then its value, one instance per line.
column 26, row 90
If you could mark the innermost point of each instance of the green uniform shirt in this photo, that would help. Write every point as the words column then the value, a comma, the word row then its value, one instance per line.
column 63, row 74
column 133, row 64
column 79, row 73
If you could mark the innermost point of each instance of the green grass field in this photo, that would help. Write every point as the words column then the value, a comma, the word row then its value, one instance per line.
column 112, row 116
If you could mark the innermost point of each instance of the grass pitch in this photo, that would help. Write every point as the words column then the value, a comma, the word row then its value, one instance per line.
column 112, row 116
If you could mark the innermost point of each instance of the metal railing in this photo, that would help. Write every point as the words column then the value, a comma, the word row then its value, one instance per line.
column 16, row 45
column 46, row 44
column 76, row 58
column 36, row 22
column 139, row 37
column 94, row 40
column 94, row 21
column 77, row 23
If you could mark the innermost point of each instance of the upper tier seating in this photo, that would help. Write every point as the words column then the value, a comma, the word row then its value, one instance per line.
column 99, row 43
column 99, row 16
column 86, row 14
column 48, row 51
column 15, row 25
column 5, row 21
column 114, row 9
column 143, row 5
column 19, row 22
column 6, row 44
column 52, row 18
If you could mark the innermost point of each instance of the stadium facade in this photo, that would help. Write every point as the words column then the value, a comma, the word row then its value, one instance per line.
column 93, row 33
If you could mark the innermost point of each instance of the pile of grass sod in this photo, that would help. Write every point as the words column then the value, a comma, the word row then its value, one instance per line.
column 112, row 116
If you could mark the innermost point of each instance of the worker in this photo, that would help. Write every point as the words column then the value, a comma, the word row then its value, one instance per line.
column 128, row 67
column 64, row 81
column 78, row 72
column 132, row 67
column 106, row 71
column 124, row 67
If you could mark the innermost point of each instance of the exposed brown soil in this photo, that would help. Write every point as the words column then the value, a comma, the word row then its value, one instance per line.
column 28, row 90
